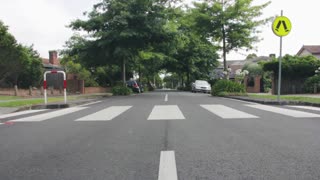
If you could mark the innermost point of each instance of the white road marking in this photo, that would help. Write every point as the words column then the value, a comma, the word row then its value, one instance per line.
column 167, row 166
column 283, row 111
column 306, row 107
column 166, row 112
column 1, row 124
column 227, row 112
column 49, row 115
column 105, row 114
column 88, row 104
column 239, row 100
column 21, row 113
column 166, row 98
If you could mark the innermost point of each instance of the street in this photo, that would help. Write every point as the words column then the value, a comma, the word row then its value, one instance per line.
column 162, row 135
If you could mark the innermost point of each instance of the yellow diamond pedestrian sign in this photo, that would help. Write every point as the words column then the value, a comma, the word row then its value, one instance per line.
column 281, row 26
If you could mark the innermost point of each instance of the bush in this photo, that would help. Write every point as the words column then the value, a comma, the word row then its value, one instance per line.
column 121, row 90
column 187, row 88
column 227, row 86
column 310, row 83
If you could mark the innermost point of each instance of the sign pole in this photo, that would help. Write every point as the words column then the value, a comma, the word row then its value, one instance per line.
column 280, row 68
column 281, row 26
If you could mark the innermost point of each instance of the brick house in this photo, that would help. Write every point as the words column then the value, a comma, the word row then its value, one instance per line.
column 52, row 63
column 252, row 84
column 309, row 50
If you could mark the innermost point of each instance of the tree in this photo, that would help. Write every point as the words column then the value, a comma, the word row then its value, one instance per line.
column 119, row 29
column 191, row 55
column 233, row 23
column 32, row 71
column 293, row 66
column 20, row 65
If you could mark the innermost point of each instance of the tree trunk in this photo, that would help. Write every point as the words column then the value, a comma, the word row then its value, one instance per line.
column 224, row 49
column 15, row 90
column 188, row 78
column 139, row 72
column 124, row 72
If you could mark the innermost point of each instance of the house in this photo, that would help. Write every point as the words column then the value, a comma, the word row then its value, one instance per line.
column 52, row 63
column 252, row 84
column 234, row 65
column 309, row 50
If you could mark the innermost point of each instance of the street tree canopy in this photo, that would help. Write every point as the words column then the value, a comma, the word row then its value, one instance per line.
column 20, row 65
column 232, row 23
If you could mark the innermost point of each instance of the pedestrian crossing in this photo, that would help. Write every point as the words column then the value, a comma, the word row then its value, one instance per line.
column 166, row 112
column 49, row 115
column 286, row 112
column 105, row 114
column 20, row 113
column 227, row 112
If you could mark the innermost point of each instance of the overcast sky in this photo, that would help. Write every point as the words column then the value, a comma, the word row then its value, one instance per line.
column 43, row 23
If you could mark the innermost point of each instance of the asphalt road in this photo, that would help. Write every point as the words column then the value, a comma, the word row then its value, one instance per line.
column 164, row 136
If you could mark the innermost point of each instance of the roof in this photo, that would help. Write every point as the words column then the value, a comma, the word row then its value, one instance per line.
column 45, row 61
column 313, row 49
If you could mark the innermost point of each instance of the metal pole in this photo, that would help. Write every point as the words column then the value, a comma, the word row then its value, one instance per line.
column 280, row 68
column 45, row 88
column 64, row 87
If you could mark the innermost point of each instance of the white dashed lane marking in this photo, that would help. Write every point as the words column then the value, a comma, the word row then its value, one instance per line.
column 167, row 166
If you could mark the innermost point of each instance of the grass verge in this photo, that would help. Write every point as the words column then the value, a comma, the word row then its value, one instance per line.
column 286, row 97
column 4, row 98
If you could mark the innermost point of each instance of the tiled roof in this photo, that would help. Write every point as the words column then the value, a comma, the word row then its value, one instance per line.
column 45, row 61
column 313, row 49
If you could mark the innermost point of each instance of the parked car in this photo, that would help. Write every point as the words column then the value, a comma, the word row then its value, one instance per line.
column 201, row 86
column 134, row 86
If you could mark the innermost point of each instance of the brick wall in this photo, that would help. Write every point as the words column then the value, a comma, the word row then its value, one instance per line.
column 26, row 92
column 92, row 90
column 256, row 88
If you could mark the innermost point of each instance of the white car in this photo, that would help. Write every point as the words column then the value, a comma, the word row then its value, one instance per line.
column 201, row 86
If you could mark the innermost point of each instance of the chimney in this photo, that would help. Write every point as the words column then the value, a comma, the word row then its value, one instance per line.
column 53, row 57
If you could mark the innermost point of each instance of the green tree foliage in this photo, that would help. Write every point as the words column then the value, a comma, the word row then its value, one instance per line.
column 20, row 65
column 294, row 66
column 311, row 83
column 76, row 68
column 192, row 55
column 119, row 29
column 254, row 69
column 232, row 23
column 32, row 74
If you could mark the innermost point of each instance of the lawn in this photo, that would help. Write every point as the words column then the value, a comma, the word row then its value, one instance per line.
column 287, row 97
column 9, row 97
column 28, row 102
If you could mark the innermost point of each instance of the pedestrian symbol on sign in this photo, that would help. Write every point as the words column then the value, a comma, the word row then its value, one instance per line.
column 281, row 26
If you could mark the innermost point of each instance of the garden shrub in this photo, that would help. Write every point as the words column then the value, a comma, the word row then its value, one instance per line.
column 310, row 83
column 121, row 90
column 227, row 86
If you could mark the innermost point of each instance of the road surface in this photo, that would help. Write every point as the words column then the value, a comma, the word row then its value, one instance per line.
column 162, row 135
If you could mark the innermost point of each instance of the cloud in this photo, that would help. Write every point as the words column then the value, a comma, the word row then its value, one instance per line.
column 42, row 22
